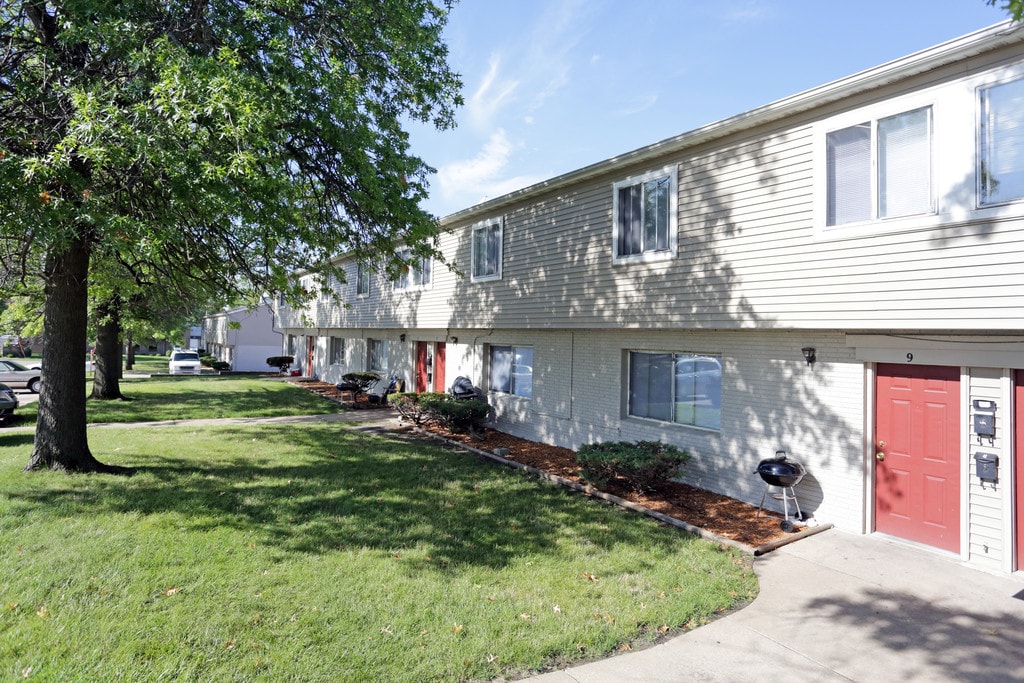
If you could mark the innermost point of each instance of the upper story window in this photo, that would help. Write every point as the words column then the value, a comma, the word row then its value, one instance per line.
column 644, row 211
column 1001, row 158
column 416, row 273
column 511, row 370
column 362, row 280
column 487, row 250
column 880, row 168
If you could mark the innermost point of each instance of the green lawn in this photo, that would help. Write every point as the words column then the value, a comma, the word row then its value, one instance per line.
column 183, row 398
column 309, row 552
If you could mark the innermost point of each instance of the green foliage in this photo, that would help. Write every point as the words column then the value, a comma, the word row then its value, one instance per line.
column 436, row 407
column 282, row 363
column 306, row 552
column 458, row 415
column 644, row 464
column 413, row 408
column 176, row 153
column 1013, row 8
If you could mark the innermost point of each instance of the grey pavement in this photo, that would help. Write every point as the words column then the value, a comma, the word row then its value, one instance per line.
column 843, row 607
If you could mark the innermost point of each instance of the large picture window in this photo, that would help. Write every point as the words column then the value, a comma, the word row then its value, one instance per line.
column 486, row 256
column 880, row 169
column 1001, row 172
column 644, row 212
column 674, row 387
column 511, row 370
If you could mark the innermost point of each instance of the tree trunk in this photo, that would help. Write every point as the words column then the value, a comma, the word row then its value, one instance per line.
column 60, row 441
column 105, row 384
column 129, row 351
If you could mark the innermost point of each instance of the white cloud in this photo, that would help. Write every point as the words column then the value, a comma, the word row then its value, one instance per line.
column 469, row 181
column 491, row 97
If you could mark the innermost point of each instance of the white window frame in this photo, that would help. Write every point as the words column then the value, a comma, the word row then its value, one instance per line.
column 484, row 226
column 419, row 273
column 1013, row 76
column 336, row 354
column 362, row 281
column 674, row 405
column 377, row 352
column 648, row 255
column 515, row 352
column 872, row 119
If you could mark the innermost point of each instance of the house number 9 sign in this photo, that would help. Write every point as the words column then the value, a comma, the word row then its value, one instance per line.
column 910, row 357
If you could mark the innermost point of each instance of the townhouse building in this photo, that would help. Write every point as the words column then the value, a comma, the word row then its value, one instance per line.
column 836, row 274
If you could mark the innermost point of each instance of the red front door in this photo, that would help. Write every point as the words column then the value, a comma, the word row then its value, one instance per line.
column 1019, row 450
column 439, row 367
column 422, row 372
column 917, row 447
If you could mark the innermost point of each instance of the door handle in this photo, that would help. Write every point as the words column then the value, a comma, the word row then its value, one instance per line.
column 879, row 456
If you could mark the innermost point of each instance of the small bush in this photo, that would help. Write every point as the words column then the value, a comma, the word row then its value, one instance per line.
column 220, row 365
column 412, row 407
column 442, row 409
column 282, row 363
column 644, row 464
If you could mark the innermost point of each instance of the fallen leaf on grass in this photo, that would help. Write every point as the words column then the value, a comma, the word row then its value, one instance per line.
column 457, row 628
column 589, row 577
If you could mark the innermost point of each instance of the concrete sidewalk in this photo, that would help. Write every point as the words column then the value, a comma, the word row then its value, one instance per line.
column 844, row 607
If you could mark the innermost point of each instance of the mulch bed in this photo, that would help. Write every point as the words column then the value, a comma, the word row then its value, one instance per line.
column 721, row 515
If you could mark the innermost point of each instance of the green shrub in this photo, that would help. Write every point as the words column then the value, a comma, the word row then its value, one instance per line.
column 445, row 410
column 220, row 365
column 413, row 408
column 643, row 464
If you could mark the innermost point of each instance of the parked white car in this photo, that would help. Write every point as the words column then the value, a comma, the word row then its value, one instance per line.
column 184, row 363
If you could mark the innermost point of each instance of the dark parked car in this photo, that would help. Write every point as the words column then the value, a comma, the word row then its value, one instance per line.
column 17, row 376
column 8, row 403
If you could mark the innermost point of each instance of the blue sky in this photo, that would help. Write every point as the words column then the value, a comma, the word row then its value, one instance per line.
column 554, row 85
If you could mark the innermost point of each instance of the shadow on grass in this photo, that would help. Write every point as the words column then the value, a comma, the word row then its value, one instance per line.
column 352, row 490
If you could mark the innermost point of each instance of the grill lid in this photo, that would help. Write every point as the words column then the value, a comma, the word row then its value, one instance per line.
column 780, row 470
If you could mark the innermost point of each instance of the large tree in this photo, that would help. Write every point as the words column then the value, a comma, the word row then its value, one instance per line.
column 233, row 139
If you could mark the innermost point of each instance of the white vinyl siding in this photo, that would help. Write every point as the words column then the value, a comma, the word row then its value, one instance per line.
column 902, row 149
column 645, row 217
column 1001, row 171
column 487, row 250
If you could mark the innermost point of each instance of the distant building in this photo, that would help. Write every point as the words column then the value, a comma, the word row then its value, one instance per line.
column 242, row 337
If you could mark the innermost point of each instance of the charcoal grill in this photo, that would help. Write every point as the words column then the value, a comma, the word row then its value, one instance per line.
column 780, row 474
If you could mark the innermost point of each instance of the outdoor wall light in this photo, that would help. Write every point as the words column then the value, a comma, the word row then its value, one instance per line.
column 455, row 340
column 810, row 354
column 401, row 337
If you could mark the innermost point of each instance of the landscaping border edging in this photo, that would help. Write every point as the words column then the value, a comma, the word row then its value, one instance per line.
column 628, row 505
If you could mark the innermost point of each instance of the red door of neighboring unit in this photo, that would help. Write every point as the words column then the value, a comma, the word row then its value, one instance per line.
column 421, row 367
column 311, row 348
column 917, row 461
column 439, row 366
column 429, row 367
column 1019, row 450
